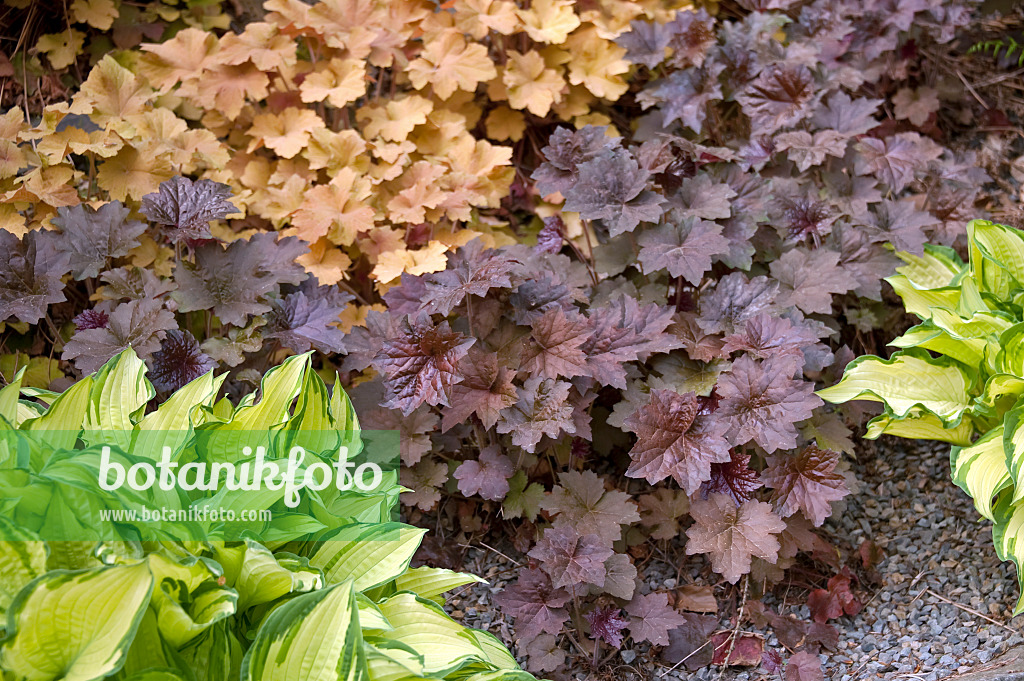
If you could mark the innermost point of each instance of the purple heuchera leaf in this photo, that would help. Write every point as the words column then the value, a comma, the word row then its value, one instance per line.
column 178, row 362
column 763, row 402
column 645, row 42
column 565, row 151
column 674, row 440
column 91, row 319
column 307, row 318
column 235, row 281
column 542, row 409
column 188, row 207
column 488, row 476
column 92, row 237
column 692, row 35
column 536, row 605
column 806, row 482
column 624, row 331
column 735, row 299
column 472, row 271
column 613, row 187
column 652, row 618
column 420, row 364
column 570, row 559
column 733, row 478
column 686, row 249
column 30, row 275
column 139, row 324
column 781, row 96
column 133, row 283
column 551, row 236
column 607, row 625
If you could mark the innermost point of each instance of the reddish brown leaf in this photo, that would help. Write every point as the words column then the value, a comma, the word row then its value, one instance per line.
column 806, row 482
column 742, row 650
column 731, row 535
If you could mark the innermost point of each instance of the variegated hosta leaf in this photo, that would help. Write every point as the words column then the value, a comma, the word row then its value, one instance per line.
column 87, row 620
column 938, row 267
column 313, row 637
column 22, row 559
column 980, row 470
column 443, row 644
column 430, row 582
column 1010, row 359
column 188, row 598
column 930, row 337
column 906, row 381
column 997, row 257
column 1013, row 447
column 921, row 301
column 1008, row 536
column 369, row 554
column 921, row 426
column 118, row 398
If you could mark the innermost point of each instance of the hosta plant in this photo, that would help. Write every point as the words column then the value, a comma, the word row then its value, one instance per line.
column 958, row 376
column 320, row 594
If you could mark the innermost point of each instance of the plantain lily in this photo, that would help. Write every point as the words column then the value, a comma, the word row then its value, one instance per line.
column 322, row 592
column 958, row 376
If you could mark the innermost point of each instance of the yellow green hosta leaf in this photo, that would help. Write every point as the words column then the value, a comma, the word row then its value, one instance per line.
column 928, row 336
column 66, row 415
column 171, row 424
column 906, row 381
column 1008, row 536
column 187, row 598
column 9, row 395
column 370, row 616
column 421, row 624
column 1013, row 446
column 937, row 267
column 496, row 652
column 921, row 301
column 265, row 577
column 313, row 637
column 980, row 470
column 997, row 257
column 921, row 426
column 391, row 661
column 1010, row 359
column 430, row 582
column 369, row 554
column 21, row 561
column 76, row 626
column 119, row 395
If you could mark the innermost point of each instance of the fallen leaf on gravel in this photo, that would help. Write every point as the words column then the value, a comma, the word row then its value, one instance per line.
column 835, row 601
column 745, row 652
column 804, row 667
column 689, row 644
column 696, row 598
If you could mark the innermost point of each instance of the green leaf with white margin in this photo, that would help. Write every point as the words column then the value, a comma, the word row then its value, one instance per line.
column 370, row 616
column 496, row 652
column 910, row 379
column 312, row 637
column 997, row 256
column 120, row 392
column 369, row 554
column 76, row 626
column 1008, row 537
column 444, row 644
column 22, row 559
column 1010, row 359
column 920, row 426
column 980, row 470
column 430, row 582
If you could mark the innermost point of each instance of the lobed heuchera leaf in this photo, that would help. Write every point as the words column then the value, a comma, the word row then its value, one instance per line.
column 733, row 478
column 92, row 237
column 765, row 336
column 487, row 476
column 689, row 644
column 763, row 402
column 235, row 281
column 834, row 601
column 30, row 275
column 674, row 440
column 187, row 207
column 623, row 331
column 651, row 618
column 895, row 159
column 420, row 364
column 581, row 500
column 542, row 409
column 662, row 511
column 613, row 187
column 138, row 324
column 781, row 96
column 807, row 279
column 607, row 624
column 731, row 535
column 735, row 299
column 307, row 318
column 565, row 151
column 645, row 42
column 472, row 271
column 554, row 347
column 685, row 249
column 571, row 559
column 805, row 482
column 803, row 666
column 95, row 318
column 133, row 283
column 536, row 605
column 178, row 362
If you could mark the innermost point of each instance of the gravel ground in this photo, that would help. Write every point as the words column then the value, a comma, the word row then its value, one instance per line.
column 936, row 548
